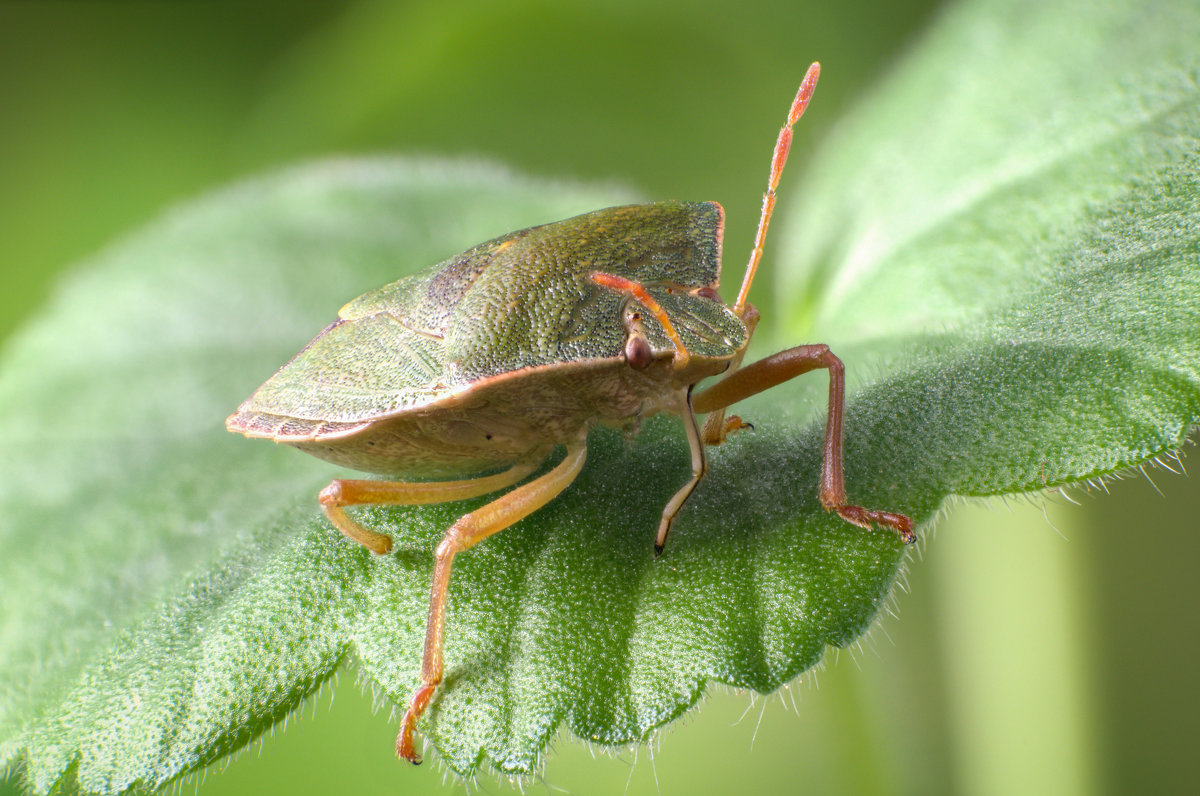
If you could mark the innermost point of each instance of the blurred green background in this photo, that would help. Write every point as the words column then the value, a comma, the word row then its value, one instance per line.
column 1043, row 649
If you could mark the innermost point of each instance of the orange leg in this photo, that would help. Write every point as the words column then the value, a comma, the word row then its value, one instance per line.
column 785, row 365
column 343, row 492
column 469, row 530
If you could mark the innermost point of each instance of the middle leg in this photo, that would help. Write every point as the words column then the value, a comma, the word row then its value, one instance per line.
column 345, row 492
column 699, row 467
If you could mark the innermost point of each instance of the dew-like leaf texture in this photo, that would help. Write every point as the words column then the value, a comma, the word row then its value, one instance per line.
column 1004, row 244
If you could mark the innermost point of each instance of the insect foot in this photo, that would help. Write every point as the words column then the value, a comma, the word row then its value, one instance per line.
column 343, row 492
column 867, row 518
column 404, row 741
column 717, row 432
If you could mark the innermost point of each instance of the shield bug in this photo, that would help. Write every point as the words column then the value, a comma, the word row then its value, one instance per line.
column 475, row 370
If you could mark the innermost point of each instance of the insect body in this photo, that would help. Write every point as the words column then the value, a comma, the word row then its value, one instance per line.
column 477, row 369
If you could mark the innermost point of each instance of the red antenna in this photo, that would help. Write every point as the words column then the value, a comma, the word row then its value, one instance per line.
column 782, row 145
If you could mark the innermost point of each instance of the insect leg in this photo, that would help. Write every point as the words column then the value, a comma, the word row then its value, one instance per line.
column 470, row 529
column 716, row 427
column 699, row 467
column 357, row 492
column 778, row 368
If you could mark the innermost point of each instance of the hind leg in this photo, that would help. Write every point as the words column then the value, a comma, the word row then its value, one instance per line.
column 468, row 531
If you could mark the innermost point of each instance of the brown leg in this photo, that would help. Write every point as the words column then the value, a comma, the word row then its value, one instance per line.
column 353, row 492
column 778, row 368
column 699, row 466
column 469, row 530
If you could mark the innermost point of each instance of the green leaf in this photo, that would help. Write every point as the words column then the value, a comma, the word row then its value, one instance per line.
column 1009, row 224
column 1003, row 245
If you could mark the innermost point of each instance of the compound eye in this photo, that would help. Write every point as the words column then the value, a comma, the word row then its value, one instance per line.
column 637, row 352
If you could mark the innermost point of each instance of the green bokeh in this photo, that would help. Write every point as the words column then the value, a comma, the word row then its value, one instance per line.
column 1025, row 659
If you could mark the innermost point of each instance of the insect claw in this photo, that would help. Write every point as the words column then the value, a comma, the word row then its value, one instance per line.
column 734, row 423
column 405, row 749
column 868, row 519
column 658, row 550
column 404, row 741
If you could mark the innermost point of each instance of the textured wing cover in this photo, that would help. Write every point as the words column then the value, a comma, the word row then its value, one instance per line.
column 521, row 300
column 352, row 371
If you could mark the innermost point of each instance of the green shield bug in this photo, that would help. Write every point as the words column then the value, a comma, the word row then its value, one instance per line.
column 476, row 369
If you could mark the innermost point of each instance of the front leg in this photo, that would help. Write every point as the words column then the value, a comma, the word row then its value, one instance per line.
column 781, row 367
column 699, row 467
